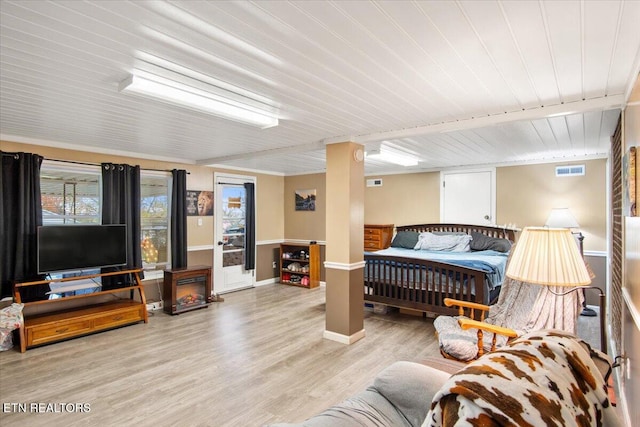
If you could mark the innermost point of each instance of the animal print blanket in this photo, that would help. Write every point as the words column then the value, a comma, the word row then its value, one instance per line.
column 543, row 378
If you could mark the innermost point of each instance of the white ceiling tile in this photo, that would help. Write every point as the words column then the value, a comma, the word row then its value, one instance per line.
column 564, row 34
column 599, row 42
column 335, row 70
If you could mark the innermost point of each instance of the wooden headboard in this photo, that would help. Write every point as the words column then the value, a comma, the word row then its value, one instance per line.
column 499, row 232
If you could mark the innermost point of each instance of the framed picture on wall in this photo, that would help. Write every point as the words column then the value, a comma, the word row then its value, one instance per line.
column 629, row 183
column 199, row 203
column 306, row 200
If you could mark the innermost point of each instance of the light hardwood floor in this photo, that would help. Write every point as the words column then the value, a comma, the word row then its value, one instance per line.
column 256, row 358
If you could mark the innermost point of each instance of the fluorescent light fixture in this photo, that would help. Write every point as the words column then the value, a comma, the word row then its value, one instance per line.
column 386, row 155
column 193, row 98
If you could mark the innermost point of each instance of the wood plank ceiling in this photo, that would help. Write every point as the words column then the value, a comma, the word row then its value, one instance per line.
column 455, row 83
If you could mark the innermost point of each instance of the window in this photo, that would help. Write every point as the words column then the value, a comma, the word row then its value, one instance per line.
column 70, row 194
column 154, row 219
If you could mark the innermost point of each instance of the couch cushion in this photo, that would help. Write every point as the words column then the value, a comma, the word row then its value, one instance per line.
column 368, row 408
column 410, row 387
column 400, row 396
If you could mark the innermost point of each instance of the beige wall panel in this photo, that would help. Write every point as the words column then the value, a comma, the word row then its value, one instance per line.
column 153, row 289
column 305, row 225
column 345, row 213
column 632, row 135
column 598, row 265
column 631, row 294
column 403, row 199
column 270, row 207
column 204, row 257
column 526, row 195
column 631, row 339
column 632, row 127
column 265, row 256
column 345, row 301
column 200, row 235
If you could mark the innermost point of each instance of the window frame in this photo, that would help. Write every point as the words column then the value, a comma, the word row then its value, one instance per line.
column 159, row 266
column 151, row 270
column 60, row 166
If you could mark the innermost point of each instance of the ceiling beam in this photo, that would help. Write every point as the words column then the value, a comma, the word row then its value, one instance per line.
column 568, row 108
column 296, row 149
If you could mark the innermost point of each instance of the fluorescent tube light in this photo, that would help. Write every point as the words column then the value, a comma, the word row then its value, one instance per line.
column 196, row 99
column 392, row 157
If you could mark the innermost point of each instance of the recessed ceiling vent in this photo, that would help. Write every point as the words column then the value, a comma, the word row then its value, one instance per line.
column 570, row 170
column 376, row 182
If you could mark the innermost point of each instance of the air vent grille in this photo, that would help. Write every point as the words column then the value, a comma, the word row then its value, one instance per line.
column 570, row 170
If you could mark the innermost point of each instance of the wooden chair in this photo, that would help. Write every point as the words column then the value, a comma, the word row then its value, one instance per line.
column 467, row 312
column 521, row 307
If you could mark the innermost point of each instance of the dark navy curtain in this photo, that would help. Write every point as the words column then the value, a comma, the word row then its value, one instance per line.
column 20, row 216
column 250, row 227
column 121, row 205
column 179, row 219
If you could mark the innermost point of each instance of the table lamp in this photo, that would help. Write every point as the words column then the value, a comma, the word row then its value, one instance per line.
column 550, row 257
column 562, row 218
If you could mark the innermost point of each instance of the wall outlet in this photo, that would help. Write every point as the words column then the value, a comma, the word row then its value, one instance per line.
column 156, row 305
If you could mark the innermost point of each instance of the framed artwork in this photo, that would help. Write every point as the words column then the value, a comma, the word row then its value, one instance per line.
column 199, row 203
column 629, row 183
column 306, row 200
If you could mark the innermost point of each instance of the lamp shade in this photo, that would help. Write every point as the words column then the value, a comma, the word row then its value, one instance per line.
column 548, row 256
column 561, row 218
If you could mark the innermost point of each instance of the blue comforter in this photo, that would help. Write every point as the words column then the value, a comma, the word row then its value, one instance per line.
column 491, row 262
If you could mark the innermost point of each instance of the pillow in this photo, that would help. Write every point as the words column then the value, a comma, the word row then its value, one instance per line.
column 450, row 242
column 405, row 239
column 481, row 242
column 449, row 233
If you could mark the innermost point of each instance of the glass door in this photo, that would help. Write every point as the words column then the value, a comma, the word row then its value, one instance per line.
column 229, row 253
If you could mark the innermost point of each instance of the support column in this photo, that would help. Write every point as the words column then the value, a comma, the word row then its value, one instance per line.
column 344, row 265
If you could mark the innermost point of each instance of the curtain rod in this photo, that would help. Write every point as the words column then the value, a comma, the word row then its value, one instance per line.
column 99, row 164
column 230, row 183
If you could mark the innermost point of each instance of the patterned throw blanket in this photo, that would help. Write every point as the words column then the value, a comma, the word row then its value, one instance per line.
column 544, row 378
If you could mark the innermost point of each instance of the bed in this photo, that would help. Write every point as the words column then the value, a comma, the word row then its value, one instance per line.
column 404, row 277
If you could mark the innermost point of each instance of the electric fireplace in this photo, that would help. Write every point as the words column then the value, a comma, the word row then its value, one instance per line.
column 186, row 289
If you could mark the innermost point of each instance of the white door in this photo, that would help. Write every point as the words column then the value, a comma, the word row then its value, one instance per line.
column 468, row 197
column 229, row 273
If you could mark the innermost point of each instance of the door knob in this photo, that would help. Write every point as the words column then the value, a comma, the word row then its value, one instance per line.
column 487, row 217
column 220, row 243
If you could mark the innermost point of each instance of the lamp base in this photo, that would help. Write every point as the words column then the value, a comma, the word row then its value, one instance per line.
column 586, row 311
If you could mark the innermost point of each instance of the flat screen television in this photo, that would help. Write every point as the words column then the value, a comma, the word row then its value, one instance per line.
column 80, row 247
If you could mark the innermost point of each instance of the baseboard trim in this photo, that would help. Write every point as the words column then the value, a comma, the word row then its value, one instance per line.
column 344, row 266
column 276, row 280
column 343, row 339
column 267, row 281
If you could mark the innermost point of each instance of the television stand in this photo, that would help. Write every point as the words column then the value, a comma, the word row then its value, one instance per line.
column 68, row 317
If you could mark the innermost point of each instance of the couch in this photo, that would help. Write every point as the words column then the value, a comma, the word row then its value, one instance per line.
column 397, row 397
column 542, row 378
